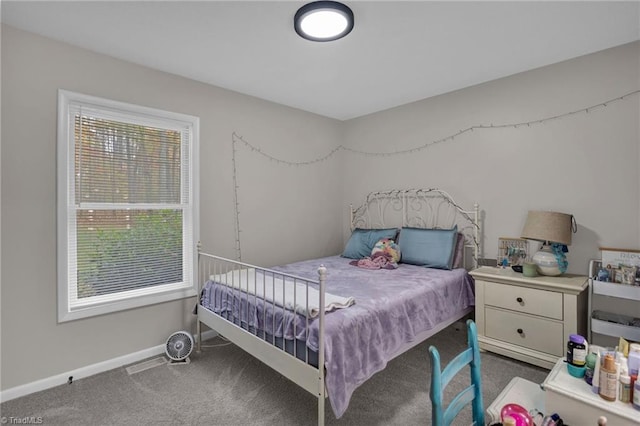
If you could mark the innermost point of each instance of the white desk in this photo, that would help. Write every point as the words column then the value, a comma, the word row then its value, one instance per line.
column 576, row 404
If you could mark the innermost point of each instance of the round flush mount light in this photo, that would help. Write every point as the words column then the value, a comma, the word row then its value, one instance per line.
column 323, row 21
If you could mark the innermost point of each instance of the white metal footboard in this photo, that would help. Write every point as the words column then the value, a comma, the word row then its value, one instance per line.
column 274, row 291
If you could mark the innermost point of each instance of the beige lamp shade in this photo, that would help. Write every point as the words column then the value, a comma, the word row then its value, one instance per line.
column 553, row 227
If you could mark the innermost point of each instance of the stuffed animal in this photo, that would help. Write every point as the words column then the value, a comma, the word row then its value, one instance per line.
column 388, row 247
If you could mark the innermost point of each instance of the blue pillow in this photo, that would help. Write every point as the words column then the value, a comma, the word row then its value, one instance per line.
column 433, row 248
column 362, row 241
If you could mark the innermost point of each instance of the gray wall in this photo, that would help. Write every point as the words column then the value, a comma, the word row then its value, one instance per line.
column 586, row 164
column 34, row 346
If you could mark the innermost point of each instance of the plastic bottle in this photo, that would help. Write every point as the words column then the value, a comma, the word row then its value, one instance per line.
column 595, row 383
column 608, row 383
column 591, row 365
column 618, row 362
column 576, row 350
column 624, row 389
column 636, row 395
column 634, row 358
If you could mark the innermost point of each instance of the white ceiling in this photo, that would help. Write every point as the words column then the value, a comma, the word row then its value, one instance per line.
column 398, row 52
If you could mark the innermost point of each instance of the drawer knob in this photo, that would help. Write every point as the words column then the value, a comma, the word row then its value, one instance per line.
column 519, row 300
column 520, row 331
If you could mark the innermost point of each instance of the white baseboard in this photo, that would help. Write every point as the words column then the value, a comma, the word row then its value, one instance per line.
column 89, row 370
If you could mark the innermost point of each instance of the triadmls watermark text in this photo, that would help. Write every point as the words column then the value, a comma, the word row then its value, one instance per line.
column 26, row 420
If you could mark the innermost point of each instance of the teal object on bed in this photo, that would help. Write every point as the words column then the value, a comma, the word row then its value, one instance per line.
column 472, row 394
column 362, row 241
column 433, row 248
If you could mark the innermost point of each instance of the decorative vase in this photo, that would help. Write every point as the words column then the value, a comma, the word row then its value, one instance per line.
column 546, row 262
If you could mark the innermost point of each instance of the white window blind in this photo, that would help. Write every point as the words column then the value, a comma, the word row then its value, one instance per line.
column 127, row 210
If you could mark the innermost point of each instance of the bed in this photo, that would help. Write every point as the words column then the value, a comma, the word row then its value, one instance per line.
column 329, row 324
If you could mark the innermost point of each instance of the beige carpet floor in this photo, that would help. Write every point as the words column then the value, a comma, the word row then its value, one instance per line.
column 225, row 386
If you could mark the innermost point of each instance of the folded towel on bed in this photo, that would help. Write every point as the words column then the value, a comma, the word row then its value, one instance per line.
column 297, row 296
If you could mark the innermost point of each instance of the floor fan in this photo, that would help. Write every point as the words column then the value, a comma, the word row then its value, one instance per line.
column 179, row 346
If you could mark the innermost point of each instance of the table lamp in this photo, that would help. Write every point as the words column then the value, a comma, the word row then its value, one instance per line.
column 554, row 230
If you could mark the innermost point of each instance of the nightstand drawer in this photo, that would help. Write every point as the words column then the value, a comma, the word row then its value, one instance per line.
column 536, row 333
column 522, row 299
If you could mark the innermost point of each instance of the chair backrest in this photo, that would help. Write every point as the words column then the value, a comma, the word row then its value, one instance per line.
column 441, row 378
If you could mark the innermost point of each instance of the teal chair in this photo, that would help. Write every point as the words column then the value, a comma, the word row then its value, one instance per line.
column 441, row 378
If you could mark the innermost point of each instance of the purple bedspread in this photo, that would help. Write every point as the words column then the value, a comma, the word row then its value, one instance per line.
column 392, row 308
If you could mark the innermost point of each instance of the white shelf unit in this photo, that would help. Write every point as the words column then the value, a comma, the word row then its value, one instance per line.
column 615, row 324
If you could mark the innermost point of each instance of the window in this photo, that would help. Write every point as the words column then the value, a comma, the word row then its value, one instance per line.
column 127, row 206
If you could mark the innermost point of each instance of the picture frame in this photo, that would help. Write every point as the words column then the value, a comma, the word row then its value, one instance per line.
column 623, row 265
column 512, row 251
column 616, row 257
column 628, row 274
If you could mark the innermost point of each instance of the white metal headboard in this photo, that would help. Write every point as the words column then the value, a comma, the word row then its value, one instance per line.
column 420, row 208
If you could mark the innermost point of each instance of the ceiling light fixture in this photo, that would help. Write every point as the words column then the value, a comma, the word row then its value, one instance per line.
column 323, row 21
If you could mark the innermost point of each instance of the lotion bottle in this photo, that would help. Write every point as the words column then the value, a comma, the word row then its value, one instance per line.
column 618, row 364
column 608, row 383
column 624, row 389
column 595, row 382
column 636, row 396
column 634, row 365
column 634, row 358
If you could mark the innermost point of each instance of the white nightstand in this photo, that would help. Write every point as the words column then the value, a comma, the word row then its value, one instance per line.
column 529, row 319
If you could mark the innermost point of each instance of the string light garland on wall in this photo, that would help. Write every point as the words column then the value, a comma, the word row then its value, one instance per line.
column 236, row 203
column 235, row 139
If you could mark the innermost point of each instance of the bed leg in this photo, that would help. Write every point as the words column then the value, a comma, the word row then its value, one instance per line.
column 199, row 334
column 322, row 390
column 321, row 410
